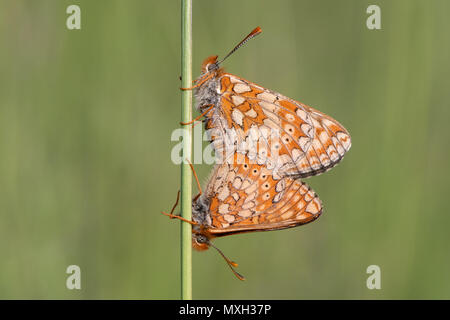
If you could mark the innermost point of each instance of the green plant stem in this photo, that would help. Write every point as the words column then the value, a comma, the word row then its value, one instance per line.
column 186, row 174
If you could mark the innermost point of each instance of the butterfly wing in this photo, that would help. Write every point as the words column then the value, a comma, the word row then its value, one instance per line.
column 287, row 135
column 245, row 196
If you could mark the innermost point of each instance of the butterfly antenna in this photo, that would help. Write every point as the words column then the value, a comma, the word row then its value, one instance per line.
column 230, row 263
column 251, row 35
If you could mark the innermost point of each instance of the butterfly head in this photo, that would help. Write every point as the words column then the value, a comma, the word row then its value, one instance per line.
column 200, row 242
column 210, row 65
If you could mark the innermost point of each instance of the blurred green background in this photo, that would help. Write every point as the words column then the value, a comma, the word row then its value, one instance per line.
column 86, row 118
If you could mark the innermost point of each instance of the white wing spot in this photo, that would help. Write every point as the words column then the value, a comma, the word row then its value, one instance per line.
column 237, row 100
column 235, row 80
column 332, row 153
column 338, row 146
column 309, row 196
column 269, row 106
column 289, row 128
column 278, row 197
column 266, row 96
column 229, row 218
column 290, row 117
column 224, row 193
column 308, row 130
column 297, row 154
column 303, row 115
column 237, row 183
column 237, row 116
column 245, row 213
column 241, row 88
column 312, row 207
column 251, row 189
column 251, row 113
column 344, row 139
column 280, row 185
column 223, row 208
column 248, row 205
column 287, row 215
column 304, row 143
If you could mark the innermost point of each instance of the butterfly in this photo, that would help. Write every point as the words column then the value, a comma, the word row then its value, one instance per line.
column 244, row 196
column 288, row 136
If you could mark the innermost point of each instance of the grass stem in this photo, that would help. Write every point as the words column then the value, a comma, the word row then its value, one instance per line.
column 186, row 174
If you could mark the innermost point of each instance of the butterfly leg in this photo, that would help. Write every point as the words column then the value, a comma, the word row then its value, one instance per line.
column 196, row 179
column 193, row 81
column 199, row 83
column 199, row 117
column 174, row 216
column 176, row 202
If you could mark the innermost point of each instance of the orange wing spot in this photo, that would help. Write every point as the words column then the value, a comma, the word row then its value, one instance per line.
column 247, row 221
column 209, row 125
column 288, row 105
column 242, row 170
column 214, row 204
column 227, row 107
column 313, row 158
column 305, row 165
column 320, row 151
column 262, row 207
column 244, row 107
column 345, row 138
column 266, row 197
column 260, row 116
column 335, row 128
column 226, row 85
column 217, row 221
column 253, row 93
column 283, row 150
column 319, row 130
column 327, row 143
column 230, row 200
column 290, row 118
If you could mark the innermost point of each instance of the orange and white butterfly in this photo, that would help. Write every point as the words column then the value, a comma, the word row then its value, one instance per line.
column 244, row 196
column 289, row 137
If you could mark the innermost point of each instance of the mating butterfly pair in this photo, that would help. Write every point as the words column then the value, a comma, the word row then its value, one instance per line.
column 266, row 142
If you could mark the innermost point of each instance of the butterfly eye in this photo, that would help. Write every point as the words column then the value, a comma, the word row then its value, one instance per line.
column 211, row 67
column 201, row 239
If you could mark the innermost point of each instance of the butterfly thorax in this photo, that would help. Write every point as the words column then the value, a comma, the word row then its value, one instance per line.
column 207, row 94
column 200, row 212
